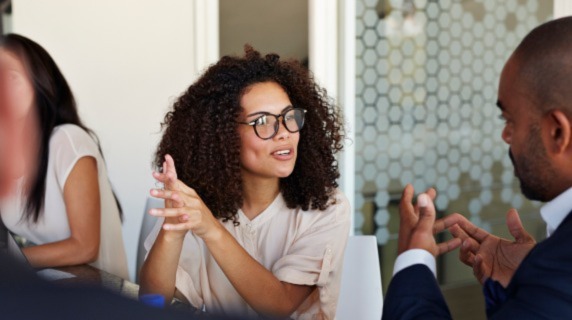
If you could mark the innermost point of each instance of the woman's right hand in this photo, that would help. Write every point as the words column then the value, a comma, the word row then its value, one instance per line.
column 170, row 193
column 184, row 209
column 158, row 274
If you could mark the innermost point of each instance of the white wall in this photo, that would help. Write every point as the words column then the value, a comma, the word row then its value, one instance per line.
column 332, row 60
column 562, row 8
column 6, row 23
column 126, row 61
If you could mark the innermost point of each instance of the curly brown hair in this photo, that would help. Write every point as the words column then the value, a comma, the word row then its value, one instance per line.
column 201, row 133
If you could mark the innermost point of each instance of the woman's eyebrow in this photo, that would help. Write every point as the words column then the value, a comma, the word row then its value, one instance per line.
column 265, row 112
column 258, row 113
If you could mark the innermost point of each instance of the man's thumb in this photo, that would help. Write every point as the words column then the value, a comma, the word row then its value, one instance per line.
column 515, row 227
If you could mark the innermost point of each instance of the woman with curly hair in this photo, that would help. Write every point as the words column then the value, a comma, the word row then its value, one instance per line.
column 253, row 223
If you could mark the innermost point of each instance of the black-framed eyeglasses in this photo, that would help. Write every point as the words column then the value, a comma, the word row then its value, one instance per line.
column 266, row 126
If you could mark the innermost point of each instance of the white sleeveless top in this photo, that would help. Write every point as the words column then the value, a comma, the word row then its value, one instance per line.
column 68, row 144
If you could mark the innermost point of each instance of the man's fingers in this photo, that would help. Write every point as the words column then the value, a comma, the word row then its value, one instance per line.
column 453, row 219
column 468, row 259
column 407, row 218
column 407, row 196
column 406, row 212
column 457, row 232
column 469, row 228
column 426, row 214
column 469, row 249
column 480, row 269
column 447, row 222
column 432, row 193
column 515, row 227
column 469, row 246
column 449, row 245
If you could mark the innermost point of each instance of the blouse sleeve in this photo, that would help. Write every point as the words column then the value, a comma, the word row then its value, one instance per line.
column 68, row 144
column 316, row 255
column 189, row 276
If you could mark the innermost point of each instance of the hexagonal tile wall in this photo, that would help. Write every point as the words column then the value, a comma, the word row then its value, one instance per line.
column 426, row 77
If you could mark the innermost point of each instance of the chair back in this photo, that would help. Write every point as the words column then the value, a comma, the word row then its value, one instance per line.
column 361, row 294
column 146, row 227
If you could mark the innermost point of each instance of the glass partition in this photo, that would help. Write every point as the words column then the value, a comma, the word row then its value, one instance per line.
column 426, row 87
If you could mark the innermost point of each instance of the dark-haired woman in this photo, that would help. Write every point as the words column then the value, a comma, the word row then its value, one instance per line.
column 254, row 224
column 64, row 203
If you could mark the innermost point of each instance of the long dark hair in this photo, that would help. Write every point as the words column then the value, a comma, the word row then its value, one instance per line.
column 55, row 105
column 200, row 133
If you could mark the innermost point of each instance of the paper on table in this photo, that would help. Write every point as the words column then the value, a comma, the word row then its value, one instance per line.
column 53, row 274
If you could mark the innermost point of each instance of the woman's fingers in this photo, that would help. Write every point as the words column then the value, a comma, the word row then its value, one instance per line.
column 178, row 218
column 165, row 194
column 189, row 221
column 186, row 189
column 177, row 226
column 178, row 185
column 170, row 172
column 182, row 213
column 175, row 198
column 161, row 177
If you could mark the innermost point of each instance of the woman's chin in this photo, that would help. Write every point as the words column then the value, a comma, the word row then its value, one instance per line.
column 284, row 173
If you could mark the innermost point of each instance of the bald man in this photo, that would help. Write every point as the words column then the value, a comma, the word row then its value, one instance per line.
column 521, row 279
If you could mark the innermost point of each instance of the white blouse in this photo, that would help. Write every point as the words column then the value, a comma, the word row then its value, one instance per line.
column 299, row 247
column 68, row 144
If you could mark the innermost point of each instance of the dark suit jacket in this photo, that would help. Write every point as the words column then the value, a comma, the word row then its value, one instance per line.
column 540, row 288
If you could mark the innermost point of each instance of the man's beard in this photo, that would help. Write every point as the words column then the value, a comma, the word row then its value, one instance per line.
column 533, row 169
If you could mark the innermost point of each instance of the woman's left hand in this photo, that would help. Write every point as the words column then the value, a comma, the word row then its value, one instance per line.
column 186, row 206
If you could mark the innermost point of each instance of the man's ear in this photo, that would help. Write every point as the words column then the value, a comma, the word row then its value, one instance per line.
column 560, row 132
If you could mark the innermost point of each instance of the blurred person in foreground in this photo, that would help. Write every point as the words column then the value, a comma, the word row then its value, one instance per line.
column 23, row 294
column 62, row 200
column 521, row 279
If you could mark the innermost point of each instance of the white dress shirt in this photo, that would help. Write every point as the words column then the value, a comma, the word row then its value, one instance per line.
column 554, row 212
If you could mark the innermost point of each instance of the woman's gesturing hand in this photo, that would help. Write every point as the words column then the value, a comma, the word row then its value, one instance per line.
column 184, row 209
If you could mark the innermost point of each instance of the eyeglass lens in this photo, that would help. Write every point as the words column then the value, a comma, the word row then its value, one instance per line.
column 268, row 125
